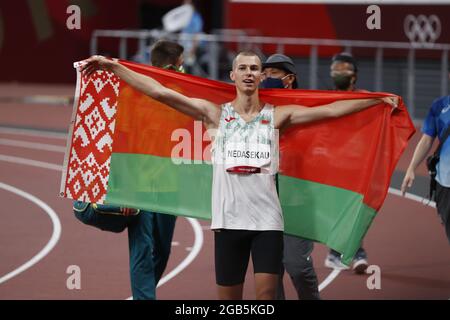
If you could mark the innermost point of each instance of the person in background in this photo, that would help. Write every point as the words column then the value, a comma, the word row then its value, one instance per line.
column 193, row 47
column 167, row 55
column 279, row 72
column 149, row 233
column 344, row 72
column 436, row 124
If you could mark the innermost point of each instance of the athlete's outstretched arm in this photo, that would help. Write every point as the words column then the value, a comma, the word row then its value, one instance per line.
column 197, row 108
column 295, row 114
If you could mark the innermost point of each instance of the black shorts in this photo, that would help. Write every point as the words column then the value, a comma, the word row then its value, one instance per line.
column 443, row 207
column 232, row 252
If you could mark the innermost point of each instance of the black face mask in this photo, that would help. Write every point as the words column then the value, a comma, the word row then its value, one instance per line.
column 342, row 82
column 272, row 83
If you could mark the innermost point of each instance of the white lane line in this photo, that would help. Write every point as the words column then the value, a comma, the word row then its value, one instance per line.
column 330, row 278
column 333, row 274
column 413, row 197
column 32, row 145
column 29, row 162
column 198, row 243
column 51, row 243
column 33, row 133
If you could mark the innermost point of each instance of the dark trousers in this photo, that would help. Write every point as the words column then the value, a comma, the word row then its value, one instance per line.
column 297, row 261
column 163, row 228
column 149, row 242
column 443, row 206
column 142, row 266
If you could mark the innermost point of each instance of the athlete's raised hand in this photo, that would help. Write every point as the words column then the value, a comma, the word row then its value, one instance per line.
column 94, row 63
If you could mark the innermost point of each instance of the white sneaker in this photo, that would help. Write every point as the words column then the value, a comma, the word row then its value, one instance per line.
column 334, row 262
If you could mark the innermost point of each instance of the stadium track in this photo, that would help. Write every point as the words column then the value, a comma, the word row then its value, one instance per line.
column 406, row 239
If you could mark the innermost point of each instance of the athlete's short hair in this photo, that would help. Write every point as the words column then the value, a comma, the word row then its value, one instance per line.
column 247, row 53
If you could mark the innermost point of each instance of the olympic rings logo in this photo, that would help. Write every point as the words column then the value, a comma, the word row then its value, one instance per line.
column 422, row 29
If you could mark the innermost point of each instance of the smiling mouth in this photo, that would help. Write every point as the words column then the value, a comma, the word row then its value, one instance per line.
column 248, row 81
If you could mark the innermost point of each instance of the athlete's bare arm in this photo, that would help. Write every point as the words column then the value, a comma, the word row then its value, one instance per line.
column 289, row 115
column 198, row 109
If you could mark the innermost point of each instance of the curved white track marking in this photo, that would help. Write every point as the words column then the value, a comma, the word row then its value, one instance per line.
column 29, row 162
column 51, row 243
column 333, row 274
column 32, row 145
column 34, row 133
column 393, row 191
column 198, row 243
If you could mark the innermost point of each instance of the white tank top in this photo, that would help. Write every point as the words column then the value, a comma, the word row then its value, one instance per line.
column 245, row 201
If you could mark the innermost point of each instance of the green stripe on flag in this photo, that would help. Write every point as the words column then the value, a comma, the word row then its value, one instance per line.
column 137, row 180
column 310, row 210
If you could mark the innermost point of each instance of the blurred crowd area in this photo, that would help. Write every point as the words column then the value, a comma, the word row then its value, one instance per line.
column 407, row 55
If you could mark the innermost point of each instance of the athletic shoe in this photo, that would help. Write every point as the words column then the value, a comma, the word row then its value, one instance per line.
column 334, row 262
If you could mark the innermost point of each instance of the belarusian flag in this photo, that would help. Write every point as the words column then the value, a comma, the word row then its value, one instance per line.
column 128, row 149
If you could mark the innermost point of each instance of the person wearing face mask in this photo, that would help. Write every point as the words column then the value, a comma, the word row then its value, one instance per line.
column 279, row 71
column 344, row 73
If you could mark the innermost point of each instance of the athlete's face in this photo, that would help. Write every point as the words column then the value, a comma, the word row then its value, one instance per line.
column 246, row 73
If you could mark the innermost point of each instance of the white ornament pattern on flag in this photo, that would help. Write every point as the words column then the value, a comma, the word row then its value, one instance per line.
column 90, row 154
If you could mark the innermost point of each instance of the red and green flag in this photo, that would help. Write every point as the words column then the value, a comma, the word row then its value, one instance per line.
column 128, row 149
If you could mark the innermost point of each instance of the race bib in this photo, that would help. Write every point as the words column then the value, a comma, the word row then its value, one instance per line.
column 241, row 154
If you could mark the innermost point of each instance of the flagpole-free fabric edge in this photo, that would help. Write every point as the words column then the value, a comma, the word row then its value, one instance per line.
column 73, row 117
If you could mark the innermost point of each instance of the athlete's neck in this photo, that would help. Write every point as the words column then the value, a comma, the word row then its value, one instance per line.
column 247, row 104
